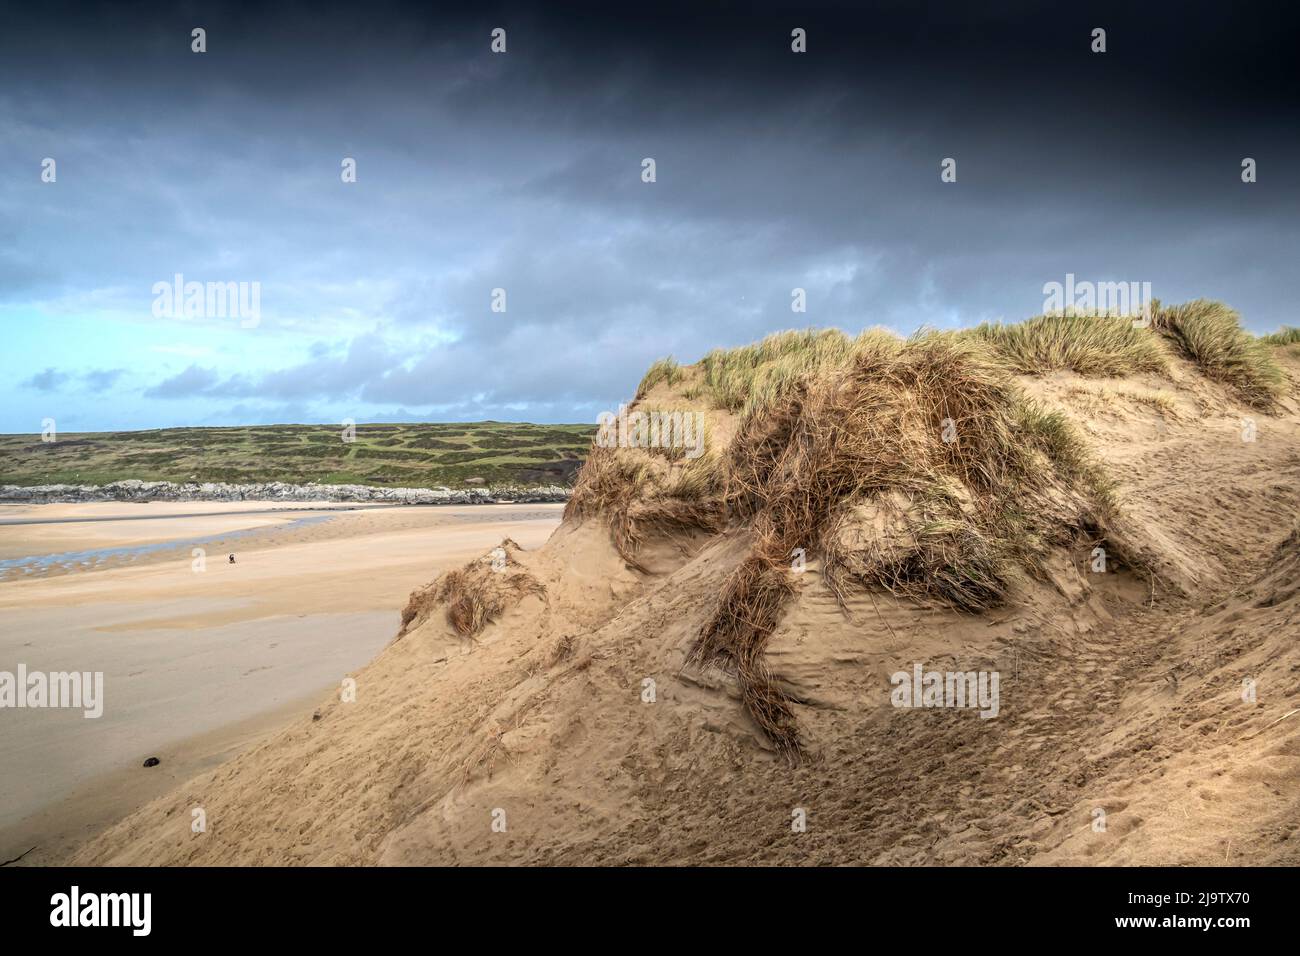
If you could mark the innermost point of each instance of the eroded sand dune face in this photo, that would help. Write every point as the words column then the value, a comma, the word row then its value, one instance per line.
column 1146, row 713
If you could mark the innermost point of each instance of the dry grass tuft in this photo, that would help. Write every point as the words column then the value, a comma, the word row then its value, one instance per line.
column 698, row 479
column 474, row 595
column 622, row 487
column 611, row 481
column 562, row 650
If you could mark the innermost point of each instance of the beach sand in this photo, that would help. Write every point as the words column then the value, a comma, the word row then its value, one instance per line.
column 197, row 663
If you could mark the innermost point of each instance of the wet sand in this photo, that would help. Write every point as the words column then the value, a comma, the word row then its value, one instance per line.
column 200, row 658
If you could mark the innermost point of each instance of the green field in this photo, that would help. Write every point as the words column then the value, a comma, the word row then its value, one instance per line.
column 410, row 455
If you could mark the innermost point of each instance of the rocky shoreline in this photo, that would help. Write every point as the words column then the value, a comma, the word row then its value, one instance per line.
column 135, row 490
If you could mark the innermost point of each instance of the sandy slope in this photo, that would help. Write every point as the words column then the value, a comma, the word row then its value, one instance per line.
column 1115, row 697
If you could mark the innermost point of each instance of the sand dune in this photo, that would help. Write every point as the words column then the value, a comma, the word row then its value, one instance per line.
column 656, row 685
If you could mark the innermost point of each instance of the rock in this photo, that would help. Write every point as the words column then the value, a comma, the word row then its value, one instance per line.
column 152, row 762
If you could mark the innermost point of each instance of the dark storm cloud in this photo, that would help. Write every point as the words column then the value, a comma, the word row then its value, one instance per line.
column 775, row 171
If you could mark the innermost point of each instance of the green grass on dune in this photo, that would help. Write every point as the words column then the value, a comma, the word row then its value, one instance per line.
column 1099, row 345
column 752, row 378
column 1287, row 335
column 664, row 370
column 1210, row 334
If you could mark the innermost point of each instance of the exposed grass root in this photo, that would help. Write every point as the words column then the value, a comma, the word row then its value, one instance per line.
column 736, row 635
column 915, row 552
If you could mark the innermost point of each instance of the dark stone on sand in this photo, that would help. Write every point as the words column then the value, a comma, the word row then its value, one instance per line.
column 152, row 762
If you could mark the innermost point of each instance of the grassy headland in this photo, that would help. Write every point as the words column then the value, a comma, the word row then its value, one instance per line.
column 397, row 455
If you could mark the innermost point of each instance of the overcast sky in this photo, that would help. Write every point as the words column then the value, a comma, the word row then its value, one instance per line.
column 523, row 171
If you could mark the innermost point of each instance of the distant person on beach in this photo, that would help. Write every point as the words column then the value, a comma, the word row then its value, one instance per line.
column 232, row 559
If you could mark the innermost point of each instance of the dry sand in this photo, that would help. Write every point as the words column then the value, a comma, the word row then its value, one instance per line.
column 198, row 664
